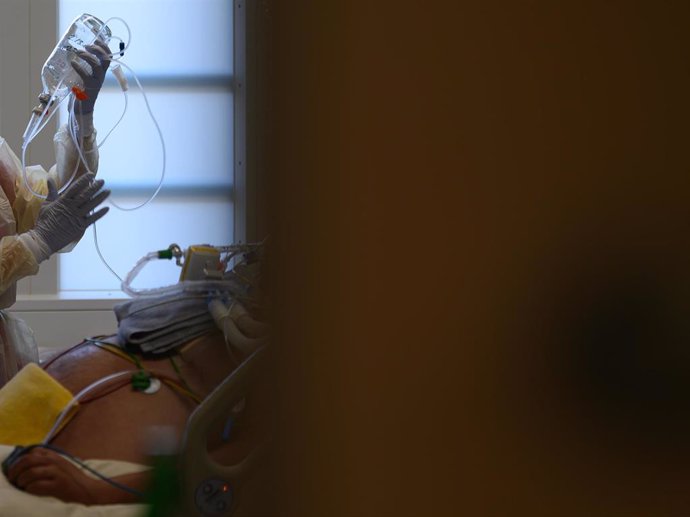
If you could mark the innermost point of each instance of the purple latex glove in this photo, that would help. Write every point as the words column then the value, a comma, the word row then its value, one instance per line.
column 63, row 219
column 98, row 58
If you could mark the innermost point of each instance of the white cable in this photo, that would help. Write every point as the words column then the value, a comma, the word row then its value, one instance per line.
column 78, row 397
column 32, row 133
column 98, row 250
column 117, row 123
column 72, row 126
column 129, row 33
column 116, row 70
column 162, row 140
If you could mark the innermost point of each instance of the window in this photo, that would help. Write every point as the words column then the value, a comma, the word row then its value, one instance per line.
column 182, row 54
column 189, row 57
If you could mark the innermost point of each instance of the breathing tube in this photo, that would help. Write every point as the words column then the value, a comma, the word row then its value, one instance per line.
column 174, row 250
column 228, row 282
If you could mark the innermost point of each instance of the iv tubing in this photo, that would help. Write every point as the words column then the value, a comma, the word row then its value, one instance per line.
column 73, row 125
column 160, row 135
column 40, row 124
column 148, row 108
column 36, row 125
column 98, row 250
column 78, row 396
column 116, row 123
column 129, row 34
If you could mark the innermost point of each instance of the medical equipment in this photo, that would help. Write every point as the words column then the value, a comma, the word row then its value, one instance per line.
column 204, row 267
column 58, row 76
column 201, row 262
column 61, row 81
column 227, row 320
column 206, row 485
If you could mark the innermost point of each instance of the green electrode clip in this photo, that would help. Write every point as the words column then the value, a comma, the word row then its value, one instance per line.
column 141, row 381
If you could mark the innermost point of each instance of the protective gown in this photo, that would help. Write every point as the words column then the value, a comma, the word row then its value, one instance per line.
column 18, row 213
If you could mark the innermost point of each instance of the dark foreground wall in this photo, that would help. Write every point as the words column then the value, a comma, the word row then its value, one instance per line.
column 481, row 231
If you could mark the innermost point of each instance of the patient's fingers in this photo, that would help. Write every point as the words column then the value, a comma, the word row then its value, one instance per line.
column 45, row 472
column 30, row 460
column 37, row 463
column 41, row 487
column 35, row 475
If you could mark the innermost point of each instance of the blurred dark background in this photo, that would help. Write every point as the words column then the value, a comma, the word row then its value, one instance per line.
column 480, row 232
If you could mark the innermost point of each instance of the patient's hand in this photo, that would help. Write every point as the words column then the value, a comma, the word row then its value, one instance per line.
column 45, row 472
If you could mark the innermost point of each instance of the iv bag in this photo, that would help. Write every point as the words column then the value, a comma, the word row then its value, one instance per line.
column 57, row 75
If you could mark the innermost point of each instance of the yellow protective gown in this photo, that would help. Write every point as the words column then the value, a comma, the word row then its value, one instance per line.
column 18, row 212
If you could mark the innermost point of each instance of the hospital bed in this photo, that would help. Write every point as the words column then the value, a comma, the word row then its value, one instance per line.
column 206, row 488
column 209, row 488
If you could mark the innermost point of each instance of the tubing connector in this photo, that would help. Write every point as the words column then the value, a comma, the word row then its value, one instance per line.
column 173, row 250
column 120, row 76
column 43, row 100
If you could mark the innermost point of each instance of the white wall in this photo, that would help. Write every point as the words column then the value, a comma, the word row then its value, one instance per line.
column 28, row 31
column 61, row 323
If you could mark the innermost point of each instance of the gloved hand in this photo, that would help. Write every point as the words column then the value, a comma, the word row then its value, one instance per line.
column 64, row 219
column 98, row 58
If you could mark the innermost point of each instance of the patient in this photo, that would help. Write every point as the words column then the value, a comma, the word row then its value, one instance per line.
column 115, row 422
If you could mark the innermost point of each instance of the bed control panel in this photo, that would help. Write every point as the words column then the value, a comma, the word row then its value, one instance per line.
column 214, row 497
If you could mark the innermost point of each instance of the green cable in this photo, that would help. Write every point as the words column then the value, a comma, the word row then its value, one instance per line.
column 182, row 379
column 103, row 345
column 135, row 359
column 142, row 380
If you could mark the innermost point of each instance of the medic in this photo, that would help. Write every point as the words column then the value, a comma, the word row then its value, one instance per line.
column 34, row 227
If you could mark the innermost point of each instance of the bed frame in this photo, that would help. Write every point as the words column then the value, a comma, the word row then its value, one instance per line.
column 210, row 489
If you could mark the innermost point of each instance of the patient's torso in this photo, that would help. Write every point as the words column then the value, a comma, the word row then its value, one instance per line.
column 113, row 422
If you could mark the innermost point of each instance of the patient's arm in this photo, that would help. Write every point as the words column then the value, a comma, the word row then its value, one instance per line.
column 46, row 473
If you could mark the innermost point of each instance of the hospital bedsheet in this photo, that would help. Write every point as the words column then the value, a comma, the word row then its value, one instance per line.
column 15, row 503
